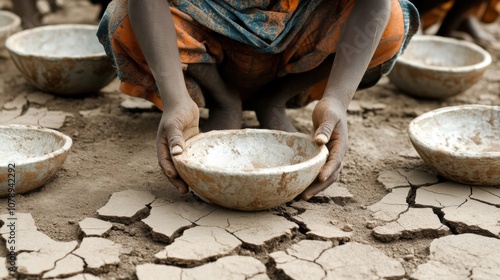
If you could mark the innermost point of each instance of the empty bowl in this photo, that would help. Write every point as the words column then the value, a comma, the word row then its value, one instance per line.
column 9, row 24
column 62, row 59
column 250, row 169
column 461, row 143
column 30, row 157
column 436, row 68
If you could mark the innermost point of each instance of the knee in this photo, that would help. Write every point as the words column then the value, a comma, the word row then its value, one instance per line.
column 371, row 78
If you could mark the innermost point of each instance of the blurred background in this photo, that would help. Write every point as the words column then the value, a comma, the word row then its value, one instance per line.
column 43, row 12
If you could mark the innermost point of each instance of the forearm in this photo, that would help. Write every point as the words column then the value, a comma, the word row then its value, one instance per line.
column 360, row 37
column 154, row 28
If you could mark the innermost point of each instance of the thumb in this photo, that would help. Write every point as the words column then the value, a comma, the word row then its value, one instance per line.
column 323, row 133
column 176, row 142
column 176, row 150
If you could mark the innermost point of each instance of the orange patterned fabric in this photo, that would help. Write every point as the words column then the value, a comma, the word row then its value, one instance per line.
column 306, row 49
column 488, row 13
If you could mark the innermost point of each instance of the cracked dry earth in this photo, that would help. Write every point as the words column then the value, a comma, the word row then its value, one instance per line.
column 111, row 214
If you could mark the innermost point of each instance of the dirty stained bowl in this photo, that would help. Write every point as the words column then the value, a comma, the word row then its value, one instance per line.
column 32, row 155
column 436, row 68
column 9, row 24
column 62, row 59
column 250, row 169
column 461, row 143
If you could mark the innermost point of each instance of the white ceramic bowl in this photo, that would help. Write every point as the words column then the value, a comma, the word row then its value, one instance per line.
column 436, row 67
column 461, row 143
column 62, row 59
column 33, row 154
column 9, row 24
column 250, row 169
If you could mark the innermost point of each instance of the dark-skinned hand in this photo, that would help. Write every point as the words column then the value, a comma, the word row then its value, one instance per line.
column 178, row 123
column 330, row 124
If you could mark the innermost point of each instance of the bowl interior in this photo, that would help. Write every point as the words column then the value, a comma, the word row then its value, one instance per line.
column 57, row 41
column 19, row 144
column 248, row 150
column 436, row 52
column 470, row 130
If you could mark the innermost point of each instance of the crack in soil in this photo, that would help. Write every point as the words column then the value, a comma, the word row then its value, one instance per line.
column 204, row 217
column 482, row 201
column 56, row 261
column 493, row 194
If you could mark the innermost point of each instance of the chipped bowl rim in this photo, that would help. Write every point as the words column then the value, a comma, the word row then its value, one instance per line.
column 416, row 139
column 458, row 69
column 67, row 143
column 9, row 44
column 320, row 156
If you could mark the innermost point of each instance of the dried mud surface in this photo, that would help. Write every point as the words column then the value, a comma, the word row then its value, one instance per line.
column 114, row 150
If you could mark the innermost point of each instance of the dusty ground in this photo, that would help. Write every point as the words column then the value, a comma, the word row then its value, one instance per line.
column 114, row 150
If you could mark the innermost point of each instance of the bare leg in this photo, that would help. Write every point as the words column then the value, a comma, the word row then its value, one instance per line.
column 456, row 15
column 471, row 26
column 27, row 10
column 223, row 102
column 270, row 104
column 53, row 6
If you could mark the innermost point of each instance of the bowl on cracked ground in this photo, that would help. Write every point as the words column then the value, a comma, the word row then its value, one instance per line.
column 9, row 24
column 30, row 157
column 64, row 59
column 461, row 143
column 434, row 67
column 250, row 169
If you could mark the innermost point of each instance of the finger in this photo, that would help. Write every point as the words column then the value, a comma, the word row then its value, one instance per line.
column 321, row 138
column 175, row 141
column 176, row 150
column 324, row 133
column 169, row 141
column 333, row 161
column 164, row 158
column 337, row 148
column 178, row 139
column 169, row 169
column 180, row 185
column 319, row 186
column 324, row 121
